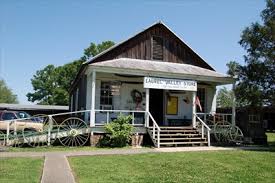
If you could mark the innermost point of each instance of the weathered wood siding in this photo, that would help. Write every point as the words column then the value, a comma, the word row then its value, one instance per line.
column 140, row 47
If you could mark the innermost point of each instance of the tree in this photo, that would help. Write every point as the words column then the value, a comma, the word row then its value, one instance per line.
column 224, row 98
column 94, row 49
column 51, row 84
column 6, row 95
column 256, row 78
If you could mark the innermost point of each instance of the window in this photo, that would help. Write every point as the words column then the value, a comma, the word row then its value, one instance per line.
column 157, row 48
column 22, row 114
column 8, row 116
column 201, row 95
column 106, row 96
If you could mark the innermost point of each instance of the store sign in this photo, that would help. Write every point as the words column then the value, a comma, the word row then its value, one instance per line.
column 170, row 84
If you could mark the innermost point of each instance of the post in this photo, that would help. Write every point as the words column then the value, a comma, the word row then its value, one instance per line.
column 158, row 140
column 234, row 104
column 208, row 137
column 49, row 130
column 147, row 90
column 108, row 116
column 202, row 131
column 8, row 133
column 194, row 109
column 92, row 114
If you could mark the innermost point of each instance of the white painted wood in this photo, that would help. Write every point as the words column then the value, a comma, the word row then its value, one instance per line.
column 92, row 115
column 147, row 103
column 234, row 104
column 194, row 109
column 218, row 80
column 214, row 102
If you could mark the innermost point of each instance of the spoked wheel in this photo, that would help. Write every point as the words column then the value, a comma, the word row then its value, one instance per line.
column 16, row 139
column 73, row 132
column 39, row 134
column 236, row 134
column 2, row 138
column 221, row 131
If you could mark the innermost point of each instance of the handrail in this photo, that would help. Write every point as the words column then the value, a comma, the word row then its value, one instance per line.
column 202, row 113
column 155, row 126
column 154, row 121
column 202, row 129
column 104, row 110
column 204, row 124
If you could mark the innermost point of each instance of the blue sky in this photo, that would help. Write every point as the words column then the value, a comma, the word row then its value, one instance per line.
column 36, row 33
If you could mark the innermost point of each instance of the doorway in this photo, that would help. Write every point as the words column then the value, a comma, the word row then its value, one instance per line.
column 156, row 105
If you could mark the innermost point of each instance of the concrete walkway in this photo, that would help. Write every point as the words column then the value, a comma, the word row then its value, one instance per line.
column 57, row 169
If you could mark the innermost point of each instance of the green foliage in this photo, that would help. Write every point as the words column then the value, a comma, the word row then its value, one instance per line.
column 51, row 84
column 257, row 78
column 94, row 49
column 233, row 68
column 119, row 131
column 224, row 98
column 6, row 95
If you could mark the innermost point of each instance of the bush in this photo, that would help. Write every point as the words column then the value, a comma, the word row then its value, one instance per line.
column 119, row 131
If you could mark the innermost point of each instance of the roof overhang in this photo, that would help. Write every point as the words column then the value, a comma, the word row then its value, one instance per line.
column 160, row 69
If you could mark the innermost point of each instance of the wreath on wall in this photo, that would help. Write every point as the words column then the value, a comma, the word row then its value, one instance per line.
column 136, row 96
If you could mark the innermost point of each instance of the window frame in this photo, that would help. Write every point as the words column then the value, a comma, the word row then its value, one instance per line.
column 152, row 47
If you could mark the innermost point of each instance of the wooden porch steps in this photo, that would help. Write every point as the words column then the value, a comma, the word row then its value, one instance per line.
column 178, row 136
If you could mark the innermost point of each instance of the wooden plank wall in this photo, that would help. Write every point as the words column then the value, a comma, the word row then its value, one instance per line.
column 140, row 48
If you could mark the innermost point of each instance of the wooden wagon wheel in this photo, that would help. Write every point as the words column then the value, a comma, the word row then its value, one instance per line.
column 2, row 138
column 221, row 131
column 16, row 138
column 39, row 137
column 72, row 132
column 236, row 134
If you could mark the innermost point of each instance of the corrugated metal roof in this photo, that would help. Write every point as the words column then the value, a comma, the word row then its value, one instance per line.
column 159, row 66
column 33, row 107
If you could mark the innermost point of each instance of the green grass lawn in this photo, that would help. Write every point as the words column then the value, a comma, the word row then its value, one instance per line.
column 270, row 138
column 216, row 166
column 21, row 170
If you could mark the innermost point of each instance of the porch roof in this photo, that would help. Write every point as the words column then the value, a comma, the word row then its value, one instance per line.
column 161, row 69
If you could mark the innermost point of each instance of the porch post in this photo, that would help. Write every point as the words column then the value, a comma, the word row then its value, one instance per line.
column 234, row 104
column 193, row 109
column 147, row 107
column 92, row 115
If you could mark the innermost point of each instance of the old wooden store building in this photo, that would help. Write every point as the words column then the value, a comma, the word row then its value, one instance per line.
column 156, row 77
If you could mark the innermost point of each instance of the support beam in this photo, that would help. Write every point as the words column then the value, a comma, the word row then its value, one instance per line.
column 194, row 95
column 92, row 114
column 234, row 104
column 147, row 90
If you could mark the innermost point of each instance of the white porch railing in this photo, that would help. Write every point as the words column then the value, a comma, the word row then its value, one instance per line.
column 211, row 118
column 105, row 116
column 155, row 129
column 203, row 127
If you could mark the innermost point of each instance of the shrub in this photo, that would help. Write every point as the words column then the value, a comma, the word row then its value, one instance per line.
column 119, row 131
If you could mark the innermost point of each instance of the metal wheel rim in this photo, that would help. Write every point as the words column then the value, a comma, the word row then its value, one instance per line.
column 17, row 138
column 221, row 130
column 71, row 127
column 236, row 134
column 2, row 139
column 34, row 138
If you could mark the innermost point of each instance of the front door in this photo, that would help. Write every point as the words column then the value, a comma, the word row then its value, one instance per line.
column 156, row 105
column 178, row 108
